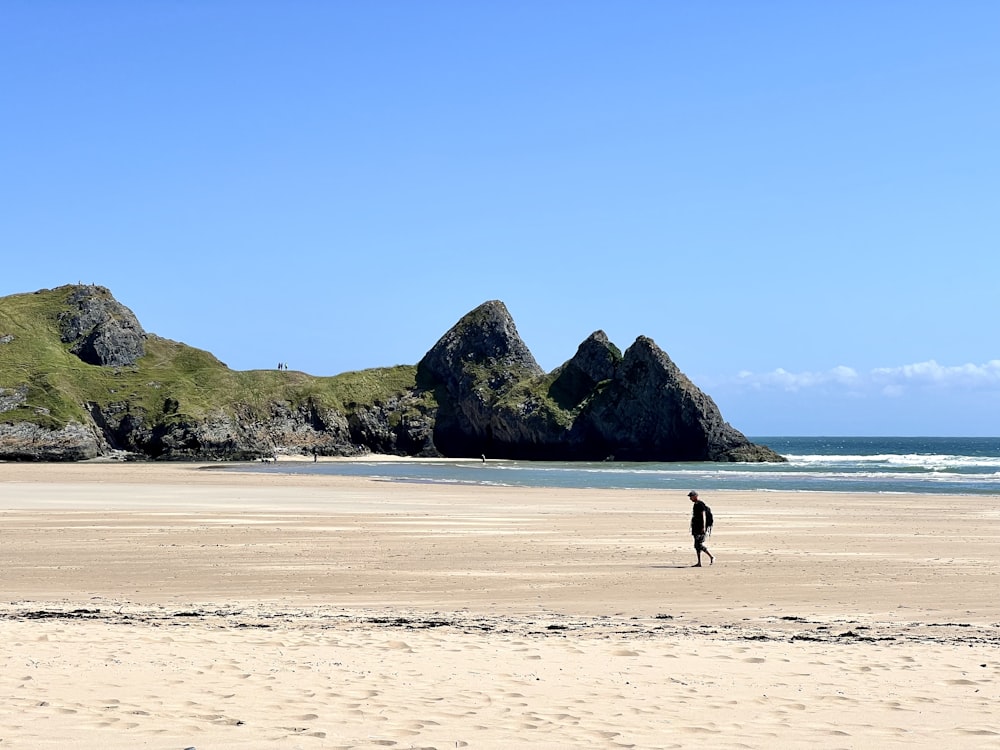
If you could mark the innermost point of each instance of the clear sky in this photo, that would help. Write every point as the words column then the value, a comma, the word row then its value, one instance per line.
column 798, row 201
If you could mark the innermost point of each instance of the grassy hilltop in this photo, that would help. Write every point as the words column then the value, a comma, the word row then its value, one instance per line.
column 45, row 384
column 80, row 378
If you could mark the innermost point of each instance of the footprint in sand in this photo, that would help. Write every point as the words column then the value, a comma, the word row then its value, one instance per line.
column 565, row 717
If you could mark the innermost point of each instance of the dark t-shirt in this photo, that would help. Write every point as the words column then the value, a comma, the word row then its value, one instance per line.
column 698, row 518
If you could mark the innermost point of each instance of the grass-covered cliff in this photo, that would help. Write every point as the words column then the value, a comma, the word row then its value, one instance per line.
column 42, row 382
column 80, row 378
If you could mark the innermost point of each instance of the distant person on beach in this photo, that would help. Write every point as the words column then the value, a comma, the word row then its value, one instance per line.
column 700, row 527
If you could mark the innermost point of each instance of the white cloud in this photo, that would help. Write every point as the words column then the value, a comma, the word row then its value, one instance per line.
column 794, row 381
column 931, row 372
column 889, row 381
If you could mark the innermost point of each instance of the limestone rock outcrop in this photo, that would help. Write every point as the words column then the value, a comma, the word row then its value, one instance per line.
column 101, row 330
column 595, row 361
column 477, row 391
column 494, row 400
column 471, row 369
column 25, row 441
column 651, row 411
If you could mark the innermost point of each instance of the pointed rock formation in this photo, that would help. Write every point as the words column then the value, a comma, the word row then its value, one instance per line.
column 470, row 369
column 101, row 330
column 477, row 391
column 484, row 344
column 494, row 399
column 651, row 411
column 595, row 361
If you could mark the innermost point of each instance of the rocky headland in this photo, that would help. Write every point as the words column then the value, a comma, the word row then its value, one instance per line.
column 81, row 379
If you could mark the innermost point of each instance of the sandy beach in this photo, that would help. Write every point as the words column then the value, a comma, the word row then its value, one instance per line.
column 181, row 606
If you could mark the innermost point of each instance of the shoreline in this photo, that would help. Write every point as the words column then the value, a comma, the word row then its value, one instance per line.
column 162, row 606
column 614, row 534
column 265, row 469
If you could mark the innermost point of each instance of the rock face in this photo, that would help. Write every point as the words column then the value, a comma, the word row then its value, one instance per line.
column 11, row 398
column 600, row 405
column 595, row 361
column 478, row 390
column 24, row 441
column 100, row 330
column 471, row 368
column 652, row 411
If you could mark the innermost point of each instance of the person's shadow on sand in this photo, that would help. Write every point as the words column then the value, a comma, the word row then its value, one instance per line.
column 670, row 567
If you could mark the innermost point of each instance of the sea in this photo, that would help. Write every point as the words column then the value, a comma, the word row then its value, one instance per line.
column 922, row 465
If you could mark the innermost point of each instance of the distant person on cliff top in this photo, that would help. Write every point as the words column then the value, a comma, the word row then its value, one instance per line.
column 701, row 526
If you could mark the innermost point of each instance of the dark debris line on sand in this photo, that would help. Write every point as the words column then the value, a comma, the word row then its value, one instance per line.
column 786, row 628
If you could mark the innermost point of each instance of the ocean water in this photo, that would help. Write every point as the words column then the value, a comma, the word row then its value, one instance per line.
column 932, row 465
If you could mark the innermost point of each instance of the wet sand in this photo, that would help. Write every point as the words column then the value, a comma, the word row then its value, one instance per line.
column 176, row 606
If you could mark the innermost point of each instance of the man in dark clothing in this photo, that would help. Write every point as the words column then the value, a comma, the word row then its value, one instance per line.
column 699, row 527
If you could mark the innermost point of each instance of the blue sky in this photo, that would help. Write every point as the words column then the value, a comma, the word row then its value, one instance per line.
column 798, row 201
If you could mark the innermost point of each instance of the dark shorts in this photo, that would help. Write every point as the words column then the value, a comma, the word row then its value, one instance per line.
column 699, row 542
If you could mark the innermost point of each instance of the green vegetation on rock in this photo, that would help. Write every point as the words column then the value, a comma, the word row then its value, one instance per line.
column 171, row 383
column 79, row 378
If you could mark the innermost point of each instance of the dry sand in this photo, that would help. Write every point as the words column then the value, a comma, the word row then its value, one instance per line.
column 180, row 606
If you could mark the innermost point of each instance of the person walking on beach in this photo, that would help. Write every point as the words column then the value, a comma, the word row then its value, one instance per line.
column 700, row 527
